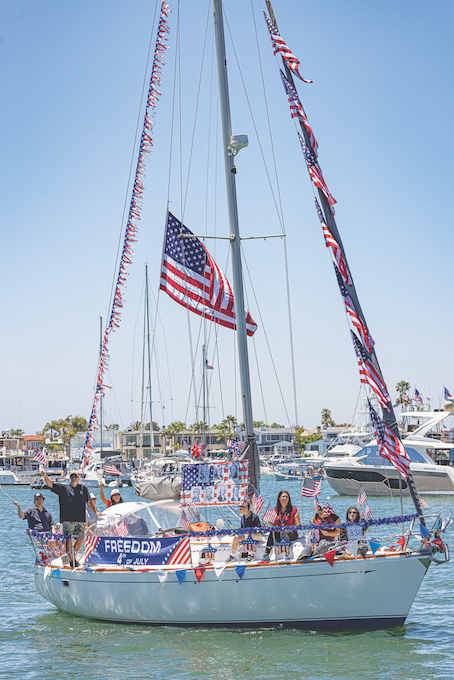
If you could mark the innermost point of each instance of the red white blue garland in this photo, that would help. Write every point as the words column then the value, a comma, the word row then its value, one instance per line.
column 132, row 228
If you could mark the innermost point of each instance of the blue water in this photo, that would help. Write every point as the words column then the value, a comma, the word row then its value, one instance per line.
column 39, row 641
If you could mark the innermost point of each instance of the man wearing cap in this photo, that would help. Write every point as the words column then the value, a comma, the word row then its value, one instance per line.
column 72, row 498
column 37, row 516
column 248, row 520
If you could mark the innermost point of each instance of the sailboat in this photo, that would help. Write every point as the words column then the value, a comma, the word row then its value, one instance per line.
column 144, row 566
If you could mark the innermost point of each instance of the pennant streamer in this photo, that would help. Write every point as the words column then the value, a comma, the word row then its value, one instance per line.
column 240, row 569
column 199, row 573
column 131, row 228
column 181, row 575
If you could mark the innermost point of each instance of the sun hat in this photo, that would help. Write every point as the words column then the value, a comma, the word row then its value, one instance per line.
column 92, row 496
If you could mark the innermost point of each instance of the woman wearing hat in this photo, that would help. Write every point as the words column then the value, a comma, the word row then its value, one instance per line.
column 115, row 497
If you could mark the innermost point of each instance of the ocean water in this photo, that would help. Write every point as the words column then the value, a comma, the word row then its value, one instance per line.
column 36, row 640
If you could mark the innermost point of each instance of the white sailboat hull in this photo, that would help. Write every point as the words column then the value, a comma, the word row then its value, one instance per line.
column 371, row 592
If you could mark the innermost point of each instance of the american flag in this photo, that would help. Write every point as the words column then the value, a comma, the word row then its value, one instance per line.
column 369, row 514
column 316, row 173
column 192, row 278
column 90, row 543
column 235, row 445
column 405, row 396
column 362, row 498
column 448, row 395
column 208, row 365
column 112, row 470
column 350, row 307
column 368, row 373
column 332, row 243
column 182, row 553
column 423, row 502
column 418, row 397
column 311, row 487
column 185, row 521
column 280, row 46
column 219, row 476
column 270, row 515
column 297, row 111
column 257, row 502
column 40, row 457
column 389, row 446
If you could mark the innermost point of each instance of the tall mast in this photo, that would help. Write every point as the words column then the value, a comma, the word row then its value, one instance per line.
column 250, row 451
column 149, row 359
column 204, row 394
column 100, row 394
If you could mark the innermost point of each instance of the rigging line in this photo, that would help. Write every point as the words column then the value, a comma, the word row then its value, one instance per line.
column 133, row 356
column 259, row 377
column 255, row 128
column 195, row 115
column 159, row 370
column 132, row 165
column 265, row 336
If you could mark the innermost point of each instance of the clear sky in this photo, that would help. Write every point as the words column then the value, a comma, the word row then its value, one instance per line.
column 381, row 107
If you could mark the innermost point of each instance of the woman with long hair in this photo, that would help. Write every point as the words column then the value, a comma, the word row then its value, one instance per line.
column 353, row 516
column 286, row 516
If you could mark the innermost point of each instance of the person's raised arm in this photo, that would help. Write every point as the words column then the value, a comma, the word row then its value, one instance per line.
column 47, row 479
column 103, row 498
column 19, row 511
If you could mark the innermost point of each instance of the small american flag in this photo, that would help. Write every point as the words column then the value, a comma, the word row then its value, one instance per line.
column 40, row 457
column 369, row 514
column 423, row 502
column 270, row 515
column 418, row 397
column 362, row 498
column 368, row 373
column 185, row 520
column 405, row 396
column 316, row 173
column 350, row 307
column 257, row 502
column 208, row 365
column 192, row 278
column 90, row 543
column 389, row 446
column 297, row 111
column 112, row 470
column 280, row 46
column 311, row 487
column 448, row 395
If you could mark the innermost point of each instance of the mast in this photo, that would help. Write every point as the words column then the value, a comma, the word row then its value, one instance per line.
column 389, row 416
column 100, row 394
column 149, row 358
column 204, row 393
column 250, row 451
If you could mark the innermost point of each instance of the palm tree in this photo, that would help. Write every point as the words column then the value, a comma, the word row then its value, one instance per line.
column 400, row 389
column 326, row 418
column 79, row 424
column 17, row 433
column 226, row 428
column 134, row 425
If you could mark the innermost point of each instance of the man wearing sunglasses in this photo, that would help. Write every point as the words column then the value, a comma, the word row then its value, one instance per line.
column 72, row 498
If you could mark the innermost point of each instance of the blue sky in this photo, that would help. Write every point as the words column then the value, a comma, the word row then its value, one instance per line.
column 381, row 107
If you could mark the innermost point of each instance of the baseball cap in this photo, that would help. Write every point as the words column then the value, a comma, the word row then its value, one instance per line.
column 38, row 495
column 73, row 474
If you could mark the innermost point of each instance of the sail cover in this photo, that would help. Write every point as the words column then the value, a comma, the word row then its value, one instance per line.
column 193, row 279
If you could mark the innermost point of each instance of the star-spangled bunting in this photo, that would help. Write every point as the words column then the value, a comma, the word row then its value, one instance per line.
column 311, row 487
column 368, row 373
column 316, row 173
column 40, row 457
column 418, row 397
column 132, row 228
column 235, row 445
column 350, row 308
column 280, row 46
column 193, row 279
column 389, row 446
column 362, row 498
column 297, row 111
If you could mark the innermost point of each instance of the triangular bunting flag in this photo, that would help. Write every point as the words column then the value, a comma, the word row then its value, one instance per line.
column 219, row 570
column 353, row 548
column 162, row 576
column 329, row 556
column 56, row 572
column 439, row 543
column 392, row 548
column 181, row 575
column 240, row 569
column 424, row 531
column 199, row 573
column 374, row 546
column 401, row 542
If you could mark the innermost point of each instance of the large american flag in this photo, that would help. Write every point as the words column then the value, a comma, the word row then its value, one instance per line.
column 389, row 446
column 40, row 457
column 280, row 46
column 181, row 554
column 112, row 470
column 316, row 173
column 368, row 373
column 418, row 397
column 350, row 307
column 192, row 278
column 311, row 487
column 297, row 111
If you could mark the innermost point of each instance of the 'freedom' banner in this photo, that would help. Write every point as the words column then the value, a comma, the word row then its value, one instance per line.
column 139, row 551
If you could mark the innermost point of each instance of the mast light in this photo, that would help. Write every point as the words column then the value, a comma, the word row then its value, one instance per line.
column 237, row 142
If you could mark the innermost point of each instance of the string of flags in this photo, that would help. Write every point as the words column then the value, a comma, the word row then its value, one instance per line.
column 132, row 228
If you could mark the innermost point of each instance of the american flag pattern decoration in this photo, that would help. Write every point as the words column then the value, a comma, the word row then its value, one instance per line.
column 362, row 498
column 209, row 365
column 270, row 515
column 181, row 554
column 40, row 457
column 214, row 483
column 331, row 242
column 360, row 326
column 131, row 229
column 311, row 487
column 316, row 173
column 257, row 502
column 192, row 278
column 389, row 446
column 297, row 111
column 418, row 397
column 280, row 46
column 90, row 543
column 112, row 470
column 235, row 445
column 405, row 396
column 368, row 373
column 185, row 521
